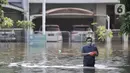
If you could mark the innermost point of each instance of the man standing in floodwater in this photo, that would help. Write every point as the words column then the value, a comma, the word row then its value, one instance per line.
column 89, row 52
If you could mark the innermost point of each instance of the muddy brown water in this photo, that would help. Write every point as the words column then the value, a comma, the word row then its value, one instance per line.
column 115, row 58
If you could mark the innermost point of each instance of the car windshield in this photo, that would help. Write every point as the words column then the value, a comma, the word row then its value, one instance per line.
column 81, row 28
column 52, row 28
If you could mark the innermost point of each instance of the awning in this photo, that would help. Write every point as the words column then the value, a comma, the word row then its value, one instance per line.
column 66, row 13
column 69, row 11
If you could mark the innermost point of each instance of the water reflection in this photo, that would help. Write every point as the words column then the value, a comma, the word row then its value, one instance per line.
column 85, row 70
column 108, row 48
column 33, row 70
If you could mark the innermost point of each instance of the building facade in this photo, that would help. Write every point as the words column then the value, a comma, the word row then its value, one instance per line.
column 32, row 10
column 15, row 9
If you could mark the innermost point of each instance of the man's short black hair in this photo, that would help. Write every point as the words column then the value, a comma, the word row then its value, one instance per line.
column 89, row 39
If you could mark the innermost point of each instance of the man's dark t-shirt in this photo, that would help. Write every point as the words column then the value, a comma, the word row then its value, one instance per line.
column 89, row 60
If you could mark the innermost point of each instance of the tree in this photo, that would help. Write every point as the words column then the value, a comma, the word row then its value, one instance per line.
column 125, row 23
column 127, row 4
column 1, row 11
column 125, row 19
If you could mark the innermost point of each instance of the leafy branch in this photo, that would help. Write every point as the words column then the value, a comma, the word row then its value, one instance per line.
column 25, row 24
column 3, row 1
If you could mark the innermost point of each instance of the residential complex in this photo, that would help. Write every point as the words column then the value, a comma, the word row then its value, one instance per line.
column 64, row 12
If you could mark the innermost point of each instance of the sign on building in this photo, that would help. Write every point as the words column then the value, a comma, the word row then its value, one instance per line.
column 119, row 9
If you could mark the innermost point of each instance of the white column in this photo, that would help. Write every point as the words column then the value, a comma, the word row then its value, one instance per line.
column 108, row 39
column 25, row 5
column 108, row 22
column 108, row 29
column 44, row 16
column 44, row 28
column 101, row 9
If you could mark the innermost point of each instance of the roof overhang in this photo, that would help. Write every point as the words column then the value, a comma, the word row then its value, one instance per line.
column 66, row 13
column 69, row 11
column 13, row 7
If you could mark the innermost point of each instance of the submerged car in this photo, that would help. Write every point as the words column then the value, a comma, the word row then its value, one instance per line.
column 81, row 32
column 53, row 33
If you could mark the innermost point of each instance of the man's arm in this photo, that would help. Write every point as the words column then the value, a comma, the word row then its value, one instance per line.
column 76, row 54
column 96, row 51
column 84, row 54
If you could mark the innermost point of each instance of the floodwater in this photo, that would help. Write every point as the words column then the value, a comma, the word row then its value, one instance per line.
column 114, row 58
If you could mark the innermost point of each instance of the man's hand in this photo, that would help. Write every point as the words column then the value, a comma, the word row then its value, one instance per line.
column 92, row 53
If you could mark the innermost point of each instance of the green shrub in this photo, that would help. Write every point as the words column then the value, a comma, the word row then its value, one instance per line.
column 102, row 33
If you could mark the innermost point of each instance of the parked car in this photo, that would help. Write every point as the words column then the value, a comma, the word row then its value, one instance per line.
column 53, row 33
column 81, row 33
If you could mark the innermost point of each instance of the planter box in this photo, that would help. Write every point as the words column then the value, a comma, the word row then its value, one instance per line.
column 12, row 35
